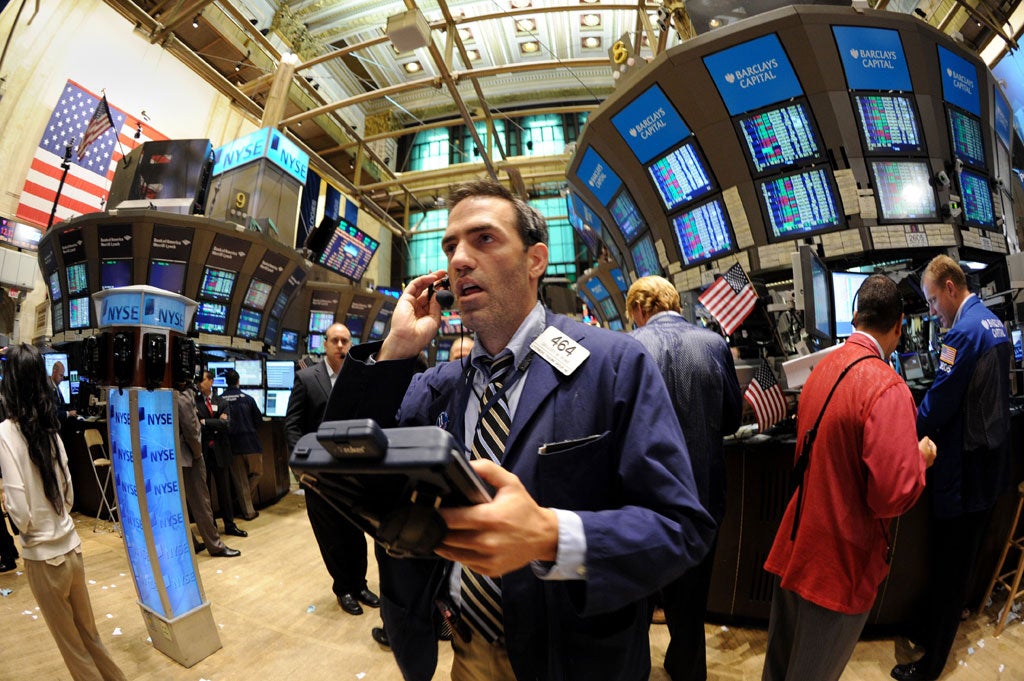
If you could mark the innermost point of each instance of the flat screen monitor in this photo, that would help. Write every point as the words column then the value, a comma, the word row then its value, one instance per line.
column 279, row 304
column 115, row 273
column 270, row 334
column 451, row 323
column 259, row 396
column 844, row 290
column 257, row 294
column 910, row 363
column 78, row 313
column 703, row 233
column 1018, row 345
column 211, row 317
column 315, row 344
column 597, row 290
column 620, row 280
column 799, row 204
column 377, row 330
column 976, row 197
column 965, row 133
column 888, row 124
column 627, row 216
column 289, row 341
column 168, row 275
column 58, row 317
column 216, row 284
column 19, row 235
column 319, row 322
column 645, row 257
column 219, row 372
column 280, row 373
column 816, row 282
column 615, row 324
column 250, row 372
column 681, row 176
column 355, row 323
column 55, row 286
column 348, row 251
column 608, row 309
column 78, row 279
column 583, row 221
column 248, row 323
column 277, row 403
column 904, row 190
column 779, row 137
column 49, row 360
column 443, row 352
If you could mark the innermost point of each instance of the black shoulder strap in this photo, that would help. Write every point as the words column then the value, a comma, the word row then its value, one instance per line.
column 804, row 460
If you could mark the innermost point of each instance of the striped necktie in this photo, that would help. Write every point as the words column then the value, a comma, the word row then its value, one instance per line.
column 481, row 595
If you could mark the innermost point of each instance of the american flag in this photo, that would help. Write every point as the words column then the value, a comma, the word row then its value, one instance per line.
column 730, row 299
column 766, row 398
column 98, row 124
column 88, row 180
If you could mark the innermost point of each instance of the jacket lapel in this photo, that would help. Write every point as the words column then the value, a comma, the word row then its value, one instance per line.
column 323, row 379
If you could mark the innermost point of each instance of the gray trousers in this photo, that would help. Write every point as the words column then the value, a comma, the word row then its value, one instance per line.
column 197, row 496
column 807, row 641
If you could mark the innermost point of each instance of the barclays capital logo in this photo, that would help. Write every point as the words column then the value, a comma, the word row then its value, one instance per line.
column 949, row 72
column 854, row 52
column 730, row 78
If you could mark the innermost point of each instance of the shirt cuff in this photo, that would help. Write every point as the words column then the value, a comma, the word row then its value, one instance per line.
column 570, row 560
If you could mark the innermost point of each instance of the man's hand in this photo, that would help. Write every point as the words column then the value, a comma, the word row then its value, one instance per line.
column 415, row 320
column 927, row 449
column 503, row 535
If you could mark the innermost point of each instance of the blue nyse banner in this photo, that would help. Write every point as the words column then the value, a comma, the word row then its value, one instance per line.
column 650, row 124
column 307, row 208
column 119, row 419
column 595, row 172
column 164, row 500
column 873, row 58
column 351, row 213
column 138, row 308
column 753, row 74
column 1002, row 116
column 959, row 81
column 268, row 143
column 332, row 202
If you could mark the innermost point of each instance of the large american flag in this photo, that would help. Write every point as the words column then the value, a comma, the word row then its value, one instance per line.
column 88, row 180
column 766, row 398
column 731, row 299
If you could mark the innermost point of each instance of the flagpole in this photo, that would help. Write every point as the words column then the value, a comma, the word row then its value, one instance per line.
column 66, row 165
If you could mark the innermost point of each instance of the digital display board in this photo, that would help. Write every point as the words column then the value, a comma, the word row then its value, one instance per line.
column 78, row 279
column 965, row 132
column 650, row 124
column 289, row 341
column 211, row 317
column 78, row 313
column 280, row 373
column 55, row 286
column 597, row 290
column 250, row 372
column 645, row 258
column 217, row 284
column 609, row 309
column 315, row 344
column 904, row 190
column 1002, row 115
column 597, row 175
column 627, row 215
column 319, row 322
column 753, row 74
column 779, row 137
column 219, row 372
column 19, row 235
column 959, row 81
column 681, row 176
column 888, row 124
column 355, row 323
column 799, row 203
column 267, row 143
column 258, row 396
column 270, row 333
column 620, row 280
column 115, row 273
column 873, row 58
column 168, row 275
column 348, row 252
column 703, row 233
column 248, row 323
column 977, row 200
column 580, row 219
column 277, row 403
column 387, row 308
column 844, row 289
column 257, row 294
column 58, row 317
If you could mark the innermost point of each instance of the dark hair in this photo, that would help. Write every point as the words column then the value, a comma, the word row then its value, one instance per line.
column 879, row 304
column 533, row 229
column 28, row 399
column 231, row 377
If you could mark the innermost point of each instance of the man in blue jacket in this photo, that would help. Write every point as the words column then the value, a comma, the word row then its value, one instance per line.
column 594, row 507
column 967, row 413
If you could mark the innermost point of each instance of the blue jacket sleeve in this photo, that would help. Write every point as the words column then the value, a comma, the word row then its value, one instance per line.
column 943, row 400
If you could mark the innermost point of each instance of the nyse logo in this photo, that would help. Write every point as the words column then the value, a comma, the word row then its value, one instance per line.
column 167, row 487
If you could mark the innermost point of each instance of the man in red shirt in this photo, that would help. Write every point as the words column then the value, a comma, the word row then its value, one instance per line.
column 863, row 467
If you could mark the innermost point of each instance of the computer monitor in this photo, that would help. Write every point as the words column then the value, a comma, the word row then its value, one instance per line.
column 257, row 294
column 615, row 324
column 219, row 372
column 217, row 284
column 315, row 344
column 799, row 204
column 78, row 278
column 277, row 403
column 280, row 373
column 779, row 137
column 319, row 322
column 888, row 123
column 626, row 215
column 645, row 258
column 443, row 352
column 289, row 340
column 78, row 313
column 55, row 291
column 966, row 137
column 211, row 317
column 681, row 176
column 608, row 309
column 844, row 291
column 904, row 190
column 51, row 358
column 58, row 317
column 248, row 323
column 115, row 273
column 168, row 275
column 259, row 396
column 977, row 200
column 910, row 363
column 1018, row 345
column 250, row 372
column 703, row 233
column 816, row 281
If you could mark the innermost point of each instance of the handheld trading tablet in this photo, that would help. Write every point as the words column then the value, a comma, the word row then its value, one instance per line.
column 389, row 483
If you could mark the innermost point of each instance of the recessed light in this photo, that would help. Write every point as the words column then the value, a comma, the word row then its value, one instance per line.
column 529, row 47
column 521, row 4
column 465, row 34
column 526, row 25
column 473, row 55
column 591, row 42
column 715, row 23
column 413, row 67
column 590, row 20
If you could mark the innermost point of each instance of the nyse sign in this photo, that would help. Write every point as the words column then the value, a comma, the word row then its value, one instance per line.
column 138, row 308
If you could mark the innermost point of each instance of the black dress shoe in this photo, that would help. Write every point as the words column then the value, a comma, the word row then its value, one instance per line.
column 369, row 598
column 227, row 553
column 198, row 545
column 235, row 531
column 7, row 565
column 912, row 671
column 349, row 604
column 380, row 636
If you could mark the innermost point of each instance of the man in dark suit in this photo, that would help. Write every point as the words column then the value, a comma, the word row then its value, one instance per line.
column 342, row 544
column 594, row 504
column 213, row 422
column 56, row 378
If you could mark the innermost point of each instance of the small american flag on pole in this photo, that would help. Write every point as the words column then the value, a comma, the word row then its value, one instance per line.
column 766, row 398
column 730, row 299
column 100, row 122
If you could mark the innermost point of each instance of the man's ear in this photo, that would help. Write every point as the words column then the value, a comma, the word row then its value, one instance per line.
column 537, row 256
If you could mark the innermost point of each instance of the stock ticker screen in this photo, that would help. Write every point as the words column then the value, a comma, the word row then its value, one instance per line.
column 348, row 252
column 799, row 203
column 703, row 233
column 779, row 137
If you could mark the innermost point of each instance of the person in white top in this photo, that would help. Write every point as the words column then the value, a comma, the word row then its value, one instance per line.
column 38, row 496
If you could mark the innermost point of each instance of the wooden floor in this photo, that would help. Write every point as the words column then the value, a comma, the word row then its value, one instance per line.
column 278, row 620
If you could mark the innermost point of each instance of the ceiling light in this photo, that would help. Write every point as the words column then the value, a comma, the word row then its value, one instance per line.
column 529, row 47
column 521, row 4
column 590, row 2
column 526, row 25
column 465, row 34
column 473, row 55
column 715, row 23
column 591, row 42
column 590, row 20
column 195, row 20
column 412, row 67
